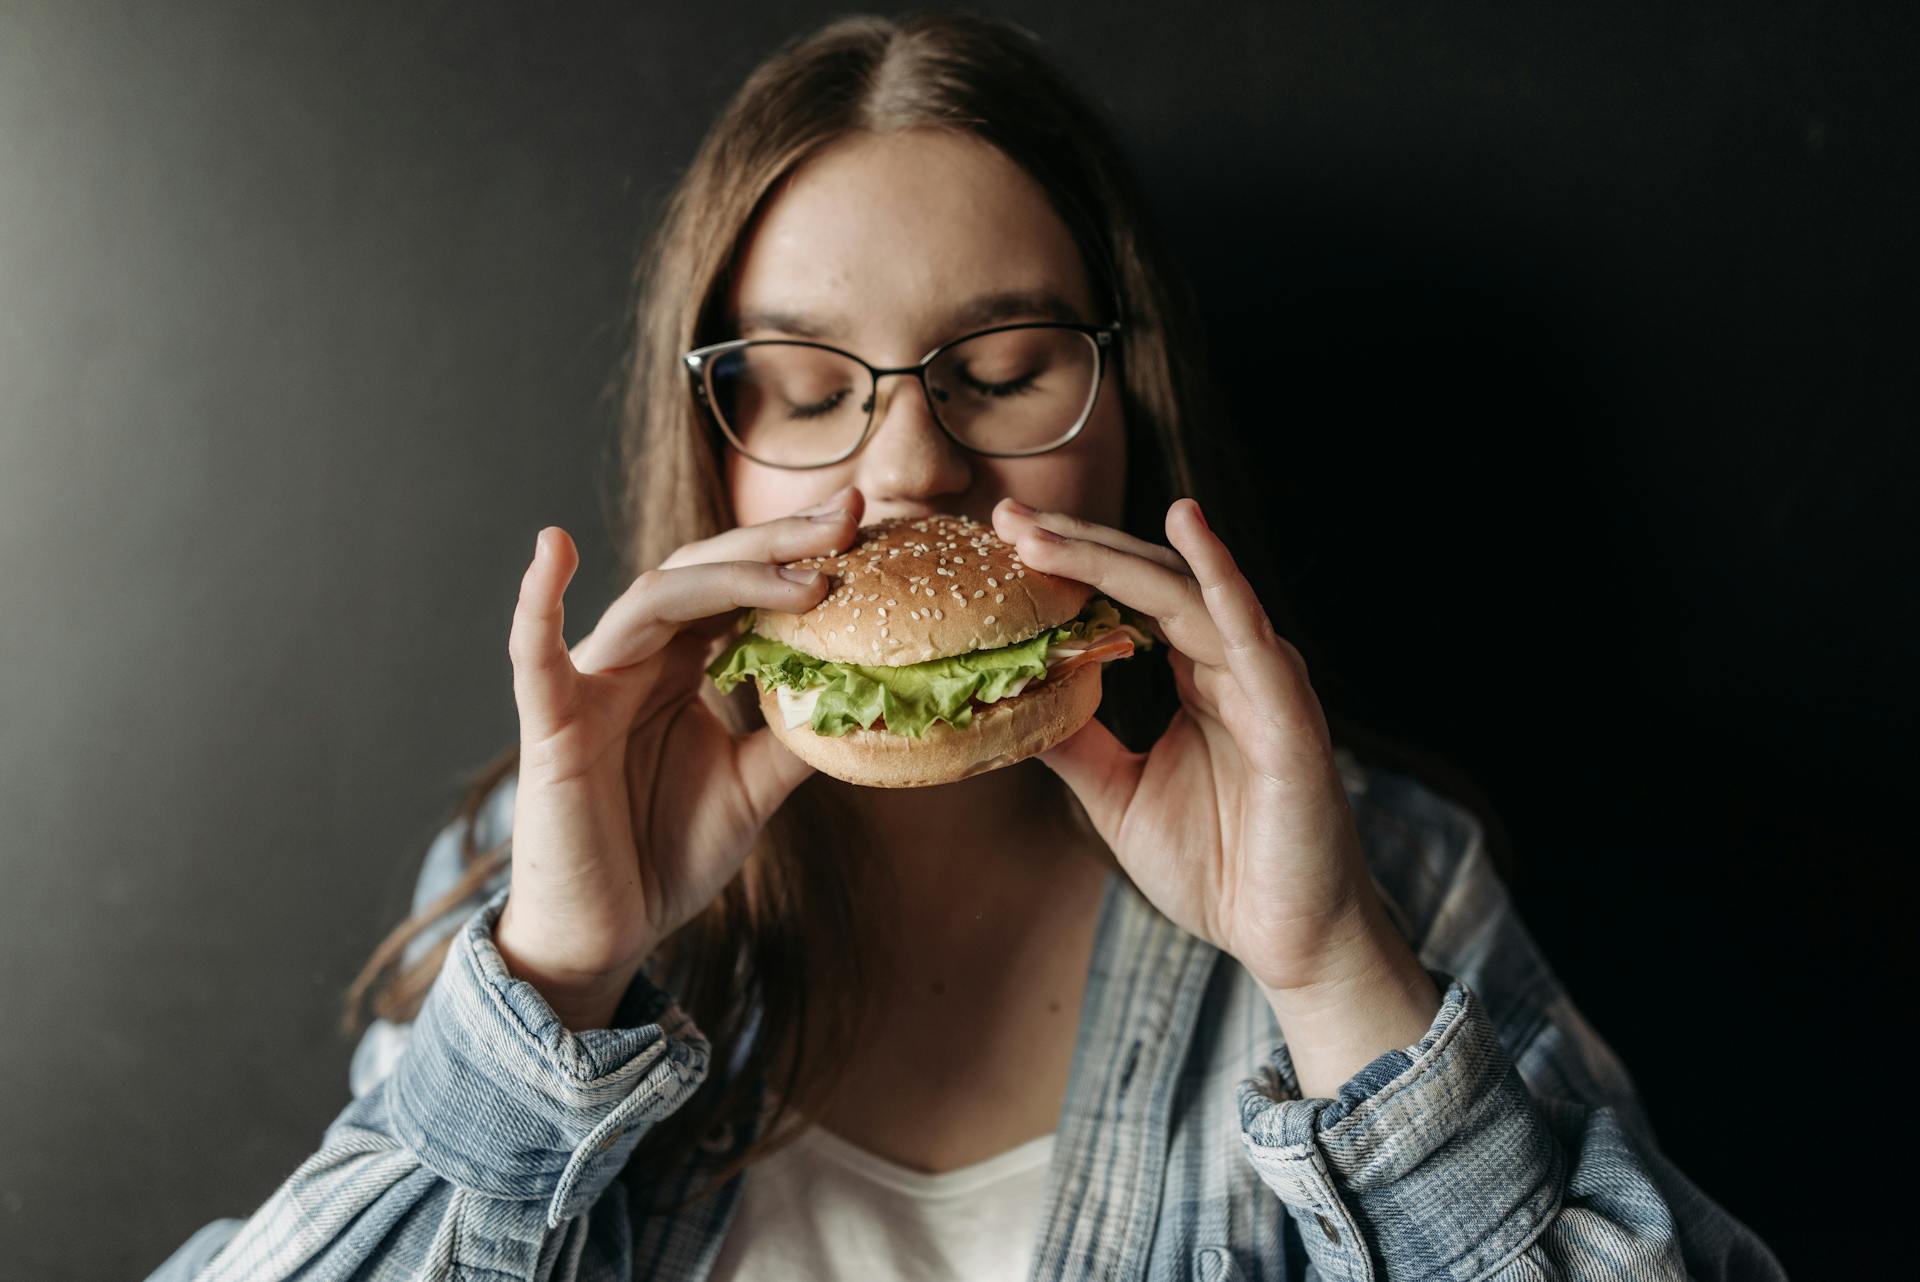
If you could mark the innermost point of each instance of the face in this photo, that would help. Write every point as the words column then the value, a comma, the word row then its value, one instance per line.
column 880, row 243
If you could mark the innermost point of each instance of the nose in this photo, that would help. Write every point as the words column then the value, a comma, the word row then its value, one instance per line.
column 908, row 458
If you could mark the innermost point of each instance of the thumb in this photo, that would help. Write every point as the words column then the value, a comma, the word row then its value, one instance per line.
column 543, row 673
column 768, row 771
column 1101, row 772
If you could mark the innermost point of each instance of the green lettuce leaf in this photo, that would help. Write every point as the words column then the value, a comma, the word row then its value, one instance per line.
column 913, row 696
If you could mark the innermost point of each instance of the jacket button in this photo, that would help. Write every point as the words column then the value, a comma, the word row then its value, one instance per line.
column 1326, row 1227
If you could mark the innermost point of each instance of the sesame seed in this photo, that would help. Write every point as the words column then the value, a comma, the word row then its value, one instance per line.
column 937, row 614
column 989, row 618
column 856, row 611
column 978, row 593
column 891, row 601
column 999, row 597
column 992, row 582
column 883, row 632
column 882, row 611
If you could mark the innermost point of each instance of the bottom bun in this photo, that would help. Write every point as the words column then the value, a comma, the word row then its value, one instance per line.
column 1000, row 734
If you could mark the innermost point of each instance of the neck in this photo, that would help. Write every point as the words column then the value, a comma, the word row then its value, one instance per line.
column 1006, row 835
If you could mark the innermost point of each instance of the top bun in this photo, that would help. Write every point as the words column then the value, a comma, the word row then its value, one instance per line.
column 917, row 588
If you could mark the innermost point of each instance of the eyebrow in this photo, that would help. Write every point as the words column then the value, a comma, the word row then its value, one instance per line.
column 976, row 313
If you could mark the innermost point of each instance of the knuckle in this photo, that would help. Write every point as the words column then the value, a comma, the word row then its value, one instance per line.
column 813, row 521
column 522, row 642
column 529, row 654
column 1295, row 660
column 1067, row 523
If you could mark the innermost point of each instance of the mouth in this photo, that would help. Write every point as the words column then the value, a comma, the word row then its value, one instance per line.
column 914, row 512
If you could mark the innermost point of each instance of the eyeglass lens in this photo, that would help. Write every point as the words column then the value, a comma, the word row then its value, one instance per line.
column 1006, row 393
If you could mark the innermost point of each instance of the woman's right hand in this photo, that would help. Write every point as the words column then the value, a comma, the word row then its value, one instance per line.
column 635, row 805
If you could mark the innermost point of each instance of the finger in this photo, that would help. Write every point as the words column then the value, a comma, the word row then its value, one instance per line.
column 1012, row 518
column 825, row 528
column 1171, row 597
column 768, row 771
column 544, row 678
column 1101, row 772
column 1268, row 678
column 1202, row 686
column 720, row 625
column 661, row 602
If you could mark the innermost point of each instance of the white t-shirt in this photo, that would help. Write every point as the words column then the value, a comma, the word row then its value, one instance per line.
column 823, row 1209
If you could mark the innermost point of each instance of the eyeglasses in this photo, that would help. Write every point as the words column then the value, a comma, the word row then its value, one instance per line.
column 1006, row 392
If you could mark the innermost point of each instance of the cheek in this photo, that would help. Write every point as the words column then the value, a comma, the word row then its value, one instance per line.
column 1087, row 476
column 762, row 494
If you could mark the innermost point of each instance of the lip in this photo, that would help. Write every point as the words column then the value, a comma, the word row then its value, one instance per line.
column 871, row 517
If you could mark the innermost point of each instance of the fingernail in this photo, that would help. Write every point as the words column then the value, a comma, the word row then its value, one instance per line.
column 538, row 543
column 797, row 574
column 1017, row 507
column 829, row 506
column 1202, row 515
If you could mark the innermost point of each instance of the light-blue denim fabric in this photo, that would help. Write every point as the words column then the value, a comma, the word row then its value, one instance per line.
column 484, row 1139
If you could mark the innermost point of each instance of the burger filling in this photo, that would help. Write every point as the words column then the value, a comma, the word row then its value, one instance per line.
column 834, row 698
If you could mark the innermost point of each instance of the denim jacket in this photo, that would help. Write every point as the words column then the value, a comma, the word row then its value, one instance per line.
column 484, row 1139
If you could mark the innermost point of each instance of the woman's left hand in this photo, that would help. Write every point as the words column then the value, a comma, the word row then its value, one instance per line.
column 1236, row 824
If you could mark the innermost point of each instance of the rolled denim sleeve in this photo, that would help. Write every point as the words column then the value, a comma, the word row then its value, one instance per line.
column 1472, row 1156
column 495, row 1095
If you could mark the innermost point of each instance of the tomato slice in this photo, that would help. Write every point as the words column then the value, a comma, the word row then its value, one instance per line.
column 1114, row 645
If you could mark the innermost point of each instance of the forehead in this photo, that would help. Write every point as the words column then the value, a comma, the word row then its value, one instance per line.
column 885, row 235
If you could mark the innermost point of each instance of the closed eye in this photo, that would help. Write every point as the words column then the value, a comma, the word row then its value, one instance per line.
column 1013, row 388
column 818, row 409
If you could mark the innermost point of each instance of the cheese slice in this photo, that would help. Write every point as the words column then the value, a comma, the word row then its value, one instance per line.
column 796, row 706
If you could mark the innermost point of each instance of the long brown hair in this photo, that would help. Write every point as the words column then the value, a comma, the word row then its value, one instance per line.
column 778, row 937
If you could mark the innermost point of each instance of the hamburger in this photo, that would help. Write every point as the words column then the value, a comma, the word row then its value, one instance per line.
column 935, row 655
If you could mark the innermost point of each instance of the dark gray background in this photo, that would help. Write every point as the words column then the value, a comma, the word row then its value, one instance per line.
column 1570, row 342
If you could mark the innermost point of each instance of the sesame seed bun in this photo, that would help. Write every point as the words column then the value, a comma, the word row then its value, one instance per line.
column 912, row 589
column 1000, row 734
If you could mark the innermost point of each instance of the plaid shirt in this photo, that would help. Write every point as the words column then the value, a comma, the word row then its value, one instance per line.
column 484, row 1139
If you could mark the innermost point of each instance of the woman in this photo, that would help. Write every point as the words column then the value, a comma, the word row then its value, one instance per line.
column 721, row 1018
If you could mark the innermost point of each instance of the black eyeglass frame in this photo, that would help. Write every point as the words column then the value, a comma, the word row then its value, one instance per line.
column 699, row 368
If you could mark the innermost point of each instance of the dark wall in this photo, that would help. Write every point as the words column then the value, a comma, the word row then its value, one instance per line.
column 1572, row 351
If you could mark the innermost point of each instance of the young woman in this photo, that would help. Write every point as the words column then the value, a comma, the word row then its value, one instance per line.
column 1232, row 1005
